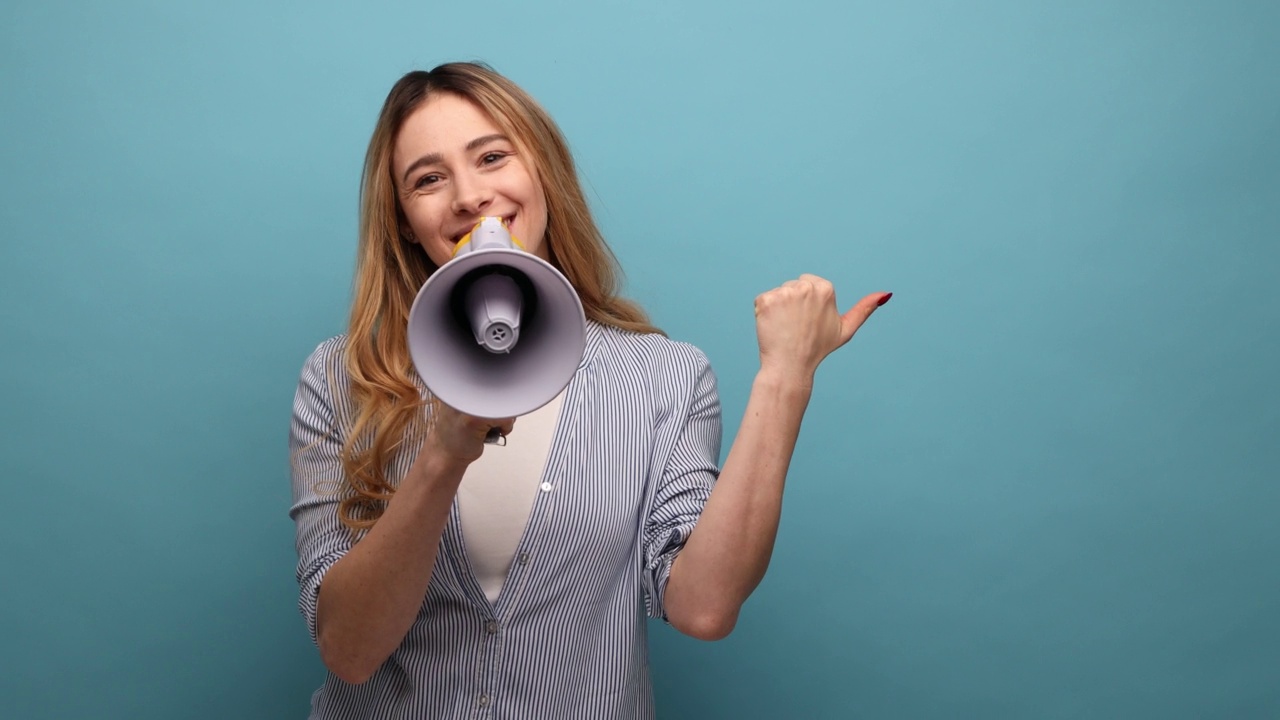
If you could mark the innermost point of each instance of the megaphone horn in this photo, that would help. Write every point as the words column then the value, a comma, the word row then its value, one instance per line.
column 496, row 332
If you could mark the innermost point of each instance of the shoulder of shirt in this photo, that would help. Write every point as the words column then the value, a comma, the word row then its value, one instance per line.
column 652, row 348
column 328, row 357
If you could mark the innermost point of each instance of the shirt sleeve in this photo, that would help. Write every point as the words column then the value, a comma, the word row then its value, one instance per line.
column 687, row 478
column 317, row 476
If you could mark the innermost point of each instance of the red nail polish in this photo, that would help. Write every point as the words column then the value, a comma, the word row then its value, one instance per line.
column 884, row 299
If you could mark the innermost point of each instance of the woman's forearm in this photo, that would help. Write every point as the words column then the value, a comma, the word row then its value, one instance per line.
column 370, row 598
column 727, row 554
column 798, row 325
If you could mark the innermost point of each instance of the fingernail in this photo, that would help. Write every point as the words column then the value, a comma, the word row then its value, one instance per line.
column 884, row 299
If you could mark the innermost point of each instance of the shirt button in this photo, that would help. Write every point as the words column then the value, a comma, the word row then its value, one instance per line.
column 546, row 487
column 524, row 558
column 483, row 701
column 491, row 627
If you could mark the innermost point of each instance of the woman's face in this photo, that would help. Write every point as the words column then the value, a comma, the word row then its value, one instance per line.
column 453, row 166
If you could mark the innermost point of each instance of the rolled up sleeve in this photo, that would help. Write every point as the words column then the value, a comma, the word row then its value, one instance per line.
column 316, row 468
column 688, row 475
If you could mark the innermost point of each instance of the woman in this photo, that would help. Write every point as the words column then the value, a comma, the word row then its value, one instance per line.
column 440, row 575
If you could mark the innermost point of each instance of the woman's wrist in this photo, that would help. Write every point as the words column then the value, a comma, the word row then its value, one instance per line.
column 436, row 468
column 787, row 380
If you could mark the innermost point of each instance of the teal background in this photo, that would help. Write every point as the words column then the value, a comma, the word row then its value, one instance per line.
column 1041, row 483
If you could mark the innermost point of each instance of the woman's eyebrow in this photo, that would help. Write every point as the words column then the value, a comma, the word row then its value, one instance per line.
column 485, row 140
column 433, row 158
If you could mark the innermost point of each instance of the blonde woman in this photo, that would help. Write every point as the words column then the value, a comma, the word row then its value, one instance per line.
column 441, row 576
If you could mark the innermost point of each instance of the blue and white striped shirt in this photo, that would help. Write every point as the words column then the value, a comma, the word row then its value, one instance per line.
column 632, row 463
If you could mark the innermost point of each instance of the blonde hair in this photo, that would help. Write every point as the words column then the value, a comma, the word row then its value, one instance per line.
column 391, row 268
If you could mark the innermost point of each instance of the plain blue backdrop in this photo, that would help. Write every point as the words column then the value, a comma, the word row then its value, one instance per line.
column 1043, row 482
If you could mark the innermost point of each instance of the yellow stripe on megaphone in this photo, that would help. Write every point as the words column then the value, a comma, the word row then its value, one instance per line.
column 466, row 239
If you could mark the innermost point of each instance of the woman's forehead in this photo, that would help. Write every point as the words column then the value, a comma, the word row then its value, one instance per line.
column 446, row 122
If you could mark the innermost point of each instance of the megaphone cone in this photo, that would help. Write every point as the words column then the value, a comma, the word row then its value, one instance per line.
column 496, row 332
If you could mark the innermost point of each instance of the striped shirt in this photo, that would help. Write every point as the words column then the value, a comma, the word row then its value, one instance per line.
column 631, row 465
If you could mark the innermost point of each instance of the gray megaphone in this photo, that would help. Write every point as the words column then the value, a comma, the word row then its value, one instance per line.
column 496, row 332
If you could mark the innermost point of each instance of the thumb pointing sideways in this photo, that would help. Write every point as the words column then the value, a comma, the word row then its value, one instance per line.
column 858, row 314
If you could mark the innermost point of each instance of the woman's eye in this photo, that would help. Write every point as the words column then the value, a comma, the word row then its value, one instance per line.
column 426, row 180
column 491, row 158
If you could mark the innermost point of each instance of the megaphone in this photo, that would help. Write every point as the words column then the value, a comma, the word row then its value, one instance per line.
column 496, row 332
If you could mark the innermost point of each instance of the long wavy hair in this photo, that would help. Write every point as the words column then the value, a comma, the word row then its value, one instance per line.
column 391, row 267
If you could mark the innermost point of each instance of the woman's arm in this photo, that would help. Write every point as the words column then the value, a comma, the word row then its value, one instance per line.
column 369, row 599
column 728, row 552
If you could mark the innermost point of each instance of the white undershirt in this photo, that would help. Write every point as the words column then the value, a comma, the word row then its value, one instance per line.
column 497, row 492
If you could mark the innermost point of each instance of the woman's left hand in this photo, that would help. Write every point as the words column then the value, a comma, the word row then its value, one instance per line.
column 798, row 324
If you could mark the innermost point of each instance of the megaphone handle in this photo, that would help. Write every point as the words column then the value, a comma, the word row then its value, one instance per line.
column 495, row 437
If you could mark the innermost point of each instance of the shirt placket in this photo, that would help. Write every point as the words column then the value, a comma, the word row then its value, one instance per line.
column 489, row 665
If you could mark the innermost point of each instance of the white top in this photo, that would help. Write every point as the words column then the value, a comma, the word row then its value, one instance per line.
column 497, row 492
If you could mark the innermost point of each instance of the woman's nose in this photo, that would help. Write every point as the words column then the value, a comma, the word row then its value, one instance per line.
column 471, row 196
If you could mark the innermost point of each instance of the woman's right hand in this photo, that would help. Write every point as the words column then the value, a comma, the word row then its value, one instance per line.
column 458, row 437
